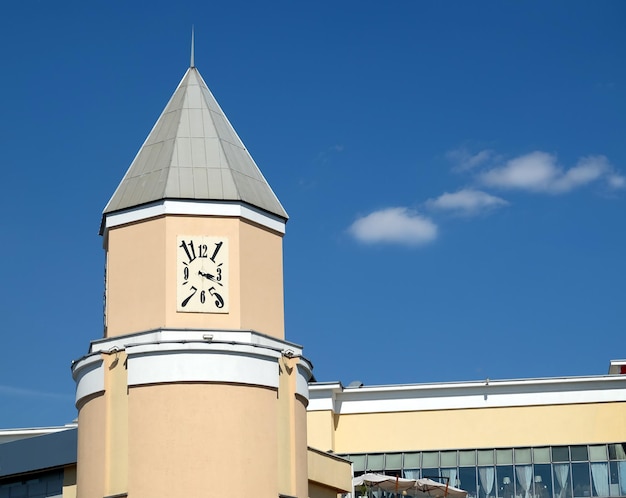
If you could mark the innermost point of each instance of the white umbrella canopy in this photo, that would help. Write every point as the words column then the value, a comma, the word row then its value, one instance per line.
column 409, row 487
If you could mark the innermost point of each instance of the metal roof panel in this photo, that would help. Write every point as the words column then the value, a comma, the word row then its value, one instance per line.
column 193, row 152
column 38, row 453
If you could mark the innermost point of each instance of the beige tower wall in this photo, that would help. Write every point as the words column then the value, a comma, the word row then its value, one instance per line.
column 135, row 279
column 172, row 415
column 262, row 301
column 141, row 276
column 91, row 447
column 202, row 440
column 301, row 460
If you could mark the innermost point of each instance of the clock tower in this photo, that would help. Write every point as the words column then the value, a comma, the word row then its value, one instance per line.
column 193, row 389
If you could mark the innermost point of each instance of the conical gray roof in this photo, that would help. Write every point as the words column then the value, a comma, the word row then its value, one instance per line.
column 193, row 153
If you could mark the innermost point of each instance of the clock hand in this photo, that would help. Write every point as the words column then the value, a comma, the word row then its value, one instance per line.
column 209, row 277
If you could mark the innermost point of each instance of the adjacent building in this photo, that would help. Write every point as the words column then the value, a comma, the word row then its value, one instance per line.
column 551, row 437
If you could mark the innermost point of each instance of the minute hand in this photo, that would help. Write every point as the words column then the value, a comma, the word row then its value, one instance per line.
column 209, row 277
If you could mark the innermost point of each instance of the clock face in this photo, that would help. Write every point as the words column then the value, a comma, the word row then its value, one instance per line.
column 203, row 273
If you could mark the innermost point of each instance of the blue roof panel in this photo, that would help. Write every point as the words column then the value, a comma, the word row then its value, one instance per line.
column 37, row 453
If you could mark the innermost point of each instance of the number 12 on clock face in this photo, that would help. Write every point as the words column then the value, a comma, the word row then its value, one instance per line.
column 202, row 274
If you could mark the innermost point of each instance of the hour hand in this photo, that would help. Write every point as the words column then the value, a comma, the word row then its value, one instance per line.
column 209, row 277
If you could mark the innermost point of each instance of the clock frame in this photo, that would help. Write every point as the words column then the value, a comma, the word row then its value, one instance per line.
column 202, row 274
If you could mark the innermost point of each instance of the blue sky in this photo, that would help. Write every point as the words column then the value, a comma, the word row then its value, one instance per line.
column 454, row 172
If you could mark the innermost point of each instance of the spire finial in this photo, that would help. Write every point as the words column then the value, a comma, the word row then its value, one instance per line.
column 192, row 64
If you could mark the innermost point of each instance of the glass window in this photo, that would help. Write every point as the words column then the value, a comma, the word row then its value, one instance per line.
column 560, row 454
column 600, row 478
column 524, row 480
column 393, row 461
column 617, row 452
column 431, row 473
column 598, row 453
column 522, row 455
column 430, row 459
column 614, row 479
column 411, row 473
column 579, row 453
column 19, row 492
column 485, row 457
column 504, row 457
column 358, row 462
column 36, row 488
column 505, row 481
column 448, row 458
column 47, row 484
column 562, row 480
column 375, row 463
column 580, row 479
column 467, row 458
column 412, row 461
column 542, row 481
column 449, row 476
column 486, row 482
column 541, row 455
column 467, row 480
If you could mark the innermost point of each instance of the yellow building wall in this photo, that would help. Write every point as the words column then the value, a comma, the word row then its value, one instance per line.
column 471, row 428
column 317, row 490
column 69, row 482
column 321, row 430
column 328, row 474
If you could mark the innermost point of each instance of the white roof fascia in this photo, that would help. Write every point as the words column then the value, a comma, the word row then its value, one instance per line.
column 195, row 208
column 193, row 335
column 480, row 394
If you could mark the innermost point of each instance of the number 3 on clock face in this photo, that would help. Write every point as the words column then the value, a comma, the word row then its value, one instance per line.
column 202, row 274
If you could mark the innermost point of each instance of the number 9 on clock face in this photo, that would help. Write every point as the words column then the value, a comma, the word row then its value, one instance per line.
column 202, row 274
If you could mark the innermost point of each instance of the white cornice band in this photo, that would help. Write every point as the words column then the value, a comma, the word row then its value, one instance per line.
column 195, row 208
column 463, row 395
column 89, row 376
column 170, row 356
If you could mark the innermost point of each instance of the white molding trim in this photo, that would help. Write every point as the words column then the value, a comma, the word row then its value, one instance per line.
column 88, row 373
column 170, row 356
column 195, row 208
column 482, row 394
column 165, row 363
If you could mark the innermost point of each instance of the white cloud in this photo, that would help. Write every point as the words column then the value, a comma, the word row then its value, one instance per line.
column 588, row 169
column 465, row 160
column 616, row 181
column 394, row 226
column 539, row 172
column 466, row 201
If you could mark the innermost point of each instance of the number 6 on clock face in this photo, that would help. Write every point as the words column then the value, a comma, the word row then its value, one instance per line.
column 202, row 274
